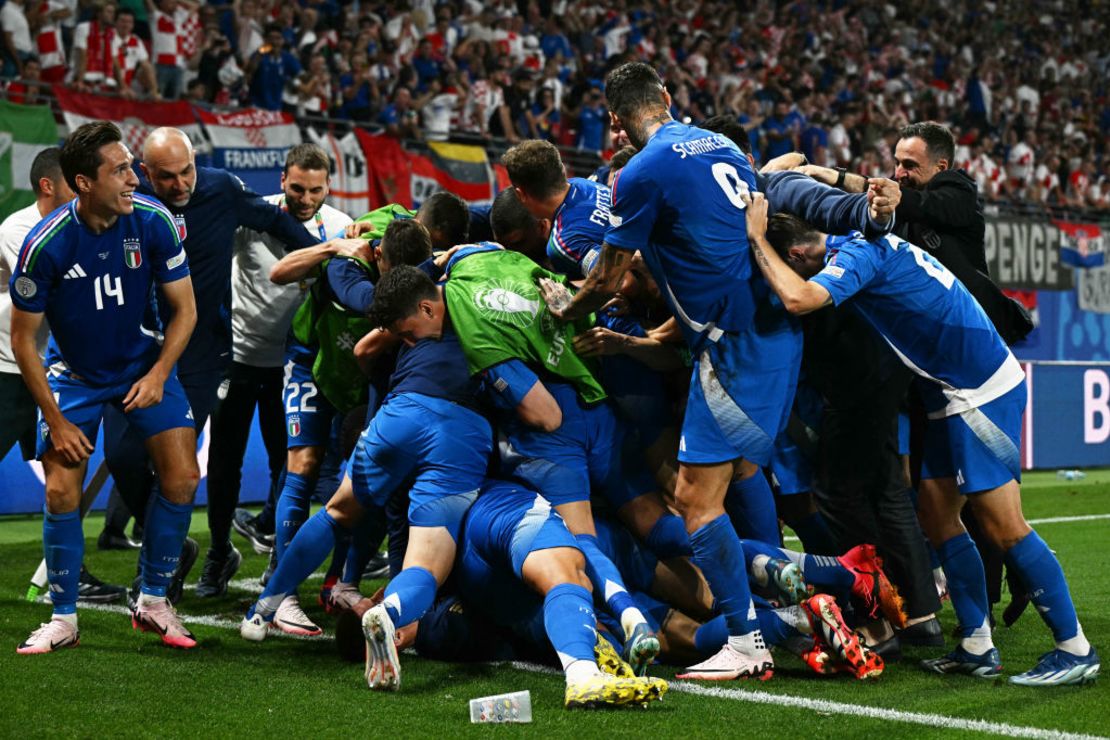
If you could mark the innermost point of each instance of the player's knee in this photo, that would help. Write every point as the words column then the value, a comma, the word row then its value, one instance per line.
column 179, row 486
column 1004, row 531
column 61, row 499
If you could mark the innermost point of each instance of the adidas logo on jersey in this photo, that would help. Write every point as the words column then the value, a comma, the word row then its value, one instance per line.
column 74, row 272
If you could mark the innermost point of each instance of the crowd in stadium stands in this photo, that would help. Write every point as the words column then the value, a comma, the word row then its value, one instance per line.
column 1023, row 85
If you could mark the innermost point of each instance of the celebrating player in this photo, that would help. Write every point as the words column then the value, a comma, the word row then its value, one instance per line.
column 678, row 201
column 974, row 393
column 90, row 267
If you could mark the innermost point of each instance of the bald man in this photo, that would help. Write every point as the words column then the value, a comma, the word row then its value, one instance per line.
column 207, row 206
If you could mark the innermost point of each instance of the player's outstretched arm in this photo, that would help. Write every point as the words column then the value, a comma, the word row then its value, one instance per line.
column 601, row 284
column 69, row 441
column 298, row 265
column 831, row 210
column 799, row 296
column 651, row 352
column 147, row 390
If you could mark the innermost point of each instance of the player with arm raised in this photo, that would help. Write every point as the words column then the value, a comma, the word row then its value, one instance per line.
column 90, row 268
column 974, row 395
column 678, row 201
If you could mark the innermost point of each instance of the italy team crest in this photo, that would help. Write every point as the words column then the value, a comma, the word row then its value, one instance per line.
column 294, row 426
column 132, row 253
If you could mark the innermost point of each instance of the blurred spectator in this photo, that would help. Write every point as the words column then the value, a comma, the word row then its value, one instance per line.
column 131, row 57
column 440, row 108
column 171, row 22
column 546, row 114
column 311, row 92
column 270, row 69
column 27, row 89
column 93, row 61
column 782, row 133
column 18, row 46
column 512, row 119
column 484, row 97
column 49, row 42
column 359, row 90
column 399, row 117
column 218, row 70
column 593, row 121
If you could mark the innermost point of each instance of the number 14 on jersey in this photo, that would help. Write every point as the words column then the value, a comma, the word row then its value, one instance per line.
column 107, row 287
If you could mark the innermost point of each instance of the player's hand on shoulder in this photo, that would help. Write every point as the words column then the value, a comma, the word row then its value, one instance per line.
column 70, row 442
column 356, row 229
column 756, row 214
column 358, row 248
column 146, row 392
column 556, row 295
column 444, row 257
column 883, row 197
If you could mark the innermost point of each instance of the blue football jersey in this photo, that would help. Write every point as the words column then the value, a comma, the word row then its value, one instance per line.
column 97, row 290
column 579, row 228
column 679, row 202
column 926, row 315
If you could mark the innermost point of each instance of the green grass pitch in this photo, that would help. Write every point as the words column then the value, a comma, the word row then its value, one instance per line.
column 123, row 683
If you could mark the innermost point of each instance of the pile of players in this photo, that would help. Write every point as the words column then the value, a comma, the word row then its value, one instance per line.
column 567, row 406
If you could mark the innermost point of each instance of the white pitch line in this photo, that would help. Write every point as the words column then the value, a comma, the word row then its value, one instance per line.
column 1066, row 519
column 1048, row 520
column 854, row 710
column 755, row 697
column 890, row 715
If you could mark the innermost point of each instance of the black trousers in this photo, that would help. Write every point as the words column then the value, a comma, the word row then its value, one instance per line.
column 18, row 416
column 248, row 388
column 861, row 489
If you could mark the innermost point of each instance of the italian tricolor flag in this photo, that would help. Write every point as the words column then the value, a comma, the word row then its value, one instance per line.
column 25, row 130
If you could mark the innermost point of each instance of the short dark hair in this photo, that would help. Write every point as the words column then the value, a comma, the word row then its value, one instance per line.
column 80, row 153
column 125, row 11
column 47, row 164
column 447, row 218
column 939, row 141
column 508, row 214
column 632, row 87
column 307, row 157
column 785, row 231
column 536, row 168
column 730, row 128
column 406, row 242
column 397, row 294
column 623, row 156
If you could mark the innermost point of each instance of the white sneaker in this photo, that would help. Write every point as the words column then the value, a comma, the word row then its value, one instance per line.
column 343, row 597
column 729, row 664
column 291, row 619
column 54, row 635
column 159, row 616
column 383, row 668
column 254, row 629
